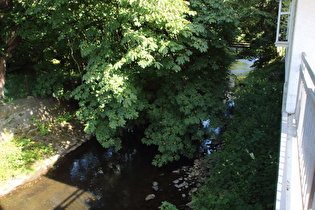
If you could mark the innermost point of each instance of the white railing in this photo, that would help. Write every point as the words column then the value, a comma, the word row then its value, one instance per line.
column 296, row 175
column 305, row 124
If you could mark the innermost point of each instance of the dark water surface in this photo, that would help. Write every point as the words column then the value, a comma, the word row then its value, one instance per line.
column 92, row 177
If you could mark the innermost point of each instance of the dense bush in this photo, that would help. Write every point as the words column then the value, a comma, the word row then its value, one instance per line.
column 244, row 173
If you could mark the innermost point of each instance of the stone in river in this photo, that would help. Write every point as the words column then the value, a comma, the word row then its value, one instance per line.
column 149, row 197
column 176, row 171
column 155, row 186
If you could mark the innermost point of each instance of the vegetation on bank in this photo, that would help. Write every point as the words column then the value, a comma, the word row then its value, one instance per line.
column 18, row 155
column 244, row 172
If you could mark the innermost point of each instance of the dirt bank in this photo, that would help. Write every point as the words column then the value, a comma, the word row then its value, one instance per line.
column 26, row 118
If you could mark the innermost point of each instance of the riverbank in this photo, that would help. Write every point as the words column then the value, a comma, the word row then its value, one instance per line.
column 38, row 120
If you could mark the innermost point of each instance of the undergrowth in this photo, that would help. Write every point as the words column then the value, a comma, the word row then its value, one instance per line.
column 244, row 173
column 42, row 127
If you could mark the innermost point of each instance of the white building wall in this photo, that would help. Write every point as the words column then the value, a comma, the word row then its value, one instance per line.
column 302, row 40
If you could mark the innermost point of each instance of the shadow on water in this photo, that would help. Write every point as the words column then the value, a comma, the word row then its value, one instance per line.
column 92, row 177
column 106, row 179
column 71, row 200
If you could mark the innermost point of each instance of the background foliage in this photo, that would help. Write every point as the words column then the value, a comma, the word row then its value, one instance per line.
column 244, row 173
column 257, row 25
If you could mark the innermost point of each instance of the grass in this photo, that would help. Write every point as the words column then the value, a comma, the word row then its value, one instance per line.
column 18, row 154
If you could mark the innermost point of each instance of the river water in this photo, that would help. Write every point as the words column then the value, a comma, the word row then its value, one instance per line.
column 241, row 67
column 92, row 177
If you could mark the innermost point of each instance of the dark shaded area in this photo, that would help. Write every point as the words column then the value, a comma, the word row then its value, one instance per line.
column 117, row 180
column 71, row 199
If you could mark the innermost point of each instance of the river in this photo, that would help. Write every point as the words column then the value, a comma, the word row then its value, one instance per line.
column 92, row 177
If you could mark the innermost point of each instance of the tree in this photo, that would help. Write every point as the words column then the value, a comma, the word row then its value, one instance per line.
column 197, row 92
column 157, row 65
column 258, row 22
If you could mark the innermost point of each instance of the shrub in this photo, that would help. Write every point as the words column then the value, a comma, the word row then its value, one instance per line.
column 244, row 173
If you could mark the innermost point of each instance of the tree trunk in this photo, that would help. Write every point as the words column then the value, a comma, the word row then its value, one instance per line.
column 2, row 75
column 11, row 43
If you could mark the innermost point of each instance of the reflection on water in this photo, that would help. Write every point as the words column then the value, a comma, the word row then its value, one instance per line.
column 113, row 178
column 82, row 167
column 92, row 177
column 117, row 180
column 241, row 67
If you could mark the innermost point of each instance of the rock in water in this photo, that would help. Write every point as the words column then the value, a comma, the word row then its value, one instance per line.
column 155, row 186
column 149, row 197
column 190, row 204
column 176, row 181
column 184, row 184
column 176, row 171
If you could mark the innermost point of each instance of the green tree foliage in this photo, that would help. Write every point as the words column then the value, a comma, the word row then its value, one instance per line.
column 244, row 173
column 167, row 206
column 158, row 65
column 257, row 24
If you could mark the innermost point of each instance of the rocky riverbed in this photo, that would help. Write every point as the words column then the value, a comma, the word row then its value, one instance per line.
column 190, row 179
